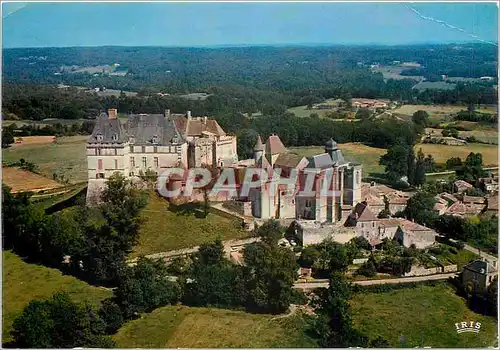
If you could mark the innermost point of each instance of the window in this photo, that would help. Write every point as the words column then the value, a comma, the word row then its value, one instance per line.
column 99, row 176
column 143, row 149
column 131, row 174
column 114, row 137
column 156, row 162
column 155, row 149
column 116, row 152
column 358, row 177
column 144, row 162
column 373, row 224
column 98, row 151
column 132, row 162
column 308, row 203
column 99, row 164
column 99, row 137
column 155, row 139
column 116, row 163
column 131, row 148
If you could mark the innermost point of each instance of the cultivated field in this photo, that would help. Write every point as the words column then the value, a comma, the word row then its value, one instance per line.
column 24, row 282
column 67, row 157
column 188, row 327
column 424, row 316
column 22, row 180
column 354, row 152
column 170, row 227
column 437, row 113
column 442, row 153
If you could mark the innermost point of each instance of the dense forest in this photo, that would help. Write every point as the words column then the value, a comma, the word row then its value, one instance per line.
column 288, row 76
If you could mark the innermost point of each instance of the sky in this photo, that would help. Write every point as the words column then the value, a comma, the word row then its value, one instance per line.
column 215, row 24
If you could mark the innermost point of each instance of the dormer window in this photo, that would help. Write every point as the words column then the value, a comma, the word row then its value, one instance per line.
column 114, row 137
column 155, row 139
column 99, row 137
column 132, row 140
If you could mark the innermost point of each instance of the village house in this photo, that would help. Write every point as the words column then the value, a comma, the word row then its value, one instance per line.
column 478, row 275
column 487, row 184
column 461, row 186
column 408, row 233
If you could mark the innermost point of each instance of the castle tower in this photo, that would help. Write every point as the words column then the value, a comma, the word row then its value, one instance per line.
column 258, row 150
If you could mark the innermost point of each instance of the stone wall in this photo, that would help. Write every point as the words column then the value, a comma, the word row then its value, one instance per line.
column 422, row 271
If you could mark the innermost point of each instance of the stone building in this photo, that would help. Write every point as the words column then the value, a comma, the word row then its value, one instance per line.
column 330, row 170
column 478, row 275
column 155, row 142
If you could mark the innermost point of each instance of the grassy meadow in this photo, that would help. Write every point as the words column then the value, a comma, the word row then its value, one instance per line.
column 189, row 327
column 442, row 153
column 354, row 152
column 168, row 227
column 67, row 156
column 23, row 282
column 423, row 313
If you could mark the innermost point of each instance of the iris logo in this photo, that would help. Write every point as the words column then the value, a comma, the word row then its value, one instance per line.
column 471, row 327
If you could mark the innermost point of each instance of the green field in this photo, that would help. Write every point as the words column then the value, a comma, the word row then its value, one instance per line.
column 437, row 113
column 354, row 152
column 442, row 153
column 302, row 111
column 24, row 282
column 187, row 327
column 425, row 312
column 169, row 228
column 67, row 156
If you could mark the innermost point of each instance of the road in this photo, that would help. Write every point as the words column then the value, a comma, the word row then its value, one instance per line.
column 492, row 259
column 442, row 276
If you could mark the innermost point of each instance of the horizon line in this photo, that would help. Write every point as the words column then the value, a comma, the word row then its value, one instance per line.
column 272, row 45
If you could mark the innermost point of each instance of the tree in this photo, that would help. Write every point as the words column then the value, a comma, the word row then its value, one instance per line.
column 384, row 214
column 472, row 168
column 450, row 132
column 420, row 118
column 270, row 232
column 363, row 113
column 420, row 207
column 211, row 253
column 492, row 297
column 396, row 162
column 7, row 137
column 145, row 287
column 308, row 257
column 112, row 315
column 421, row 167
column 379, row 342
column 368, row 269
column 270, row 272
column 59, row 322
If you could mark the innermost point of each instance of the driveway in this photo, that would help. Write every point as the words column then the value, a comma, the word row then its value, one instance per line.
column 442, row 276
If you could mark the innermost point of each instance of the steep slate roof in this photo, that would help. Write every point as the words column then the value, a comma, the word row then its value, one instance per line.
column 363, row 213
column 288, row 160
column 480, row 266
column 274, row 145
column 321, row 161
column 338, row 157
column 108, row 128
column 144, row 127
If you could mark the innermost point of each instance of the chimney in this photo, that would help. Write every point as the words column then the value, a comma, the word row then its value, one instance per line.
column 112, row 113
column 167, row 113
column 205, row 120
column 188, row 114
